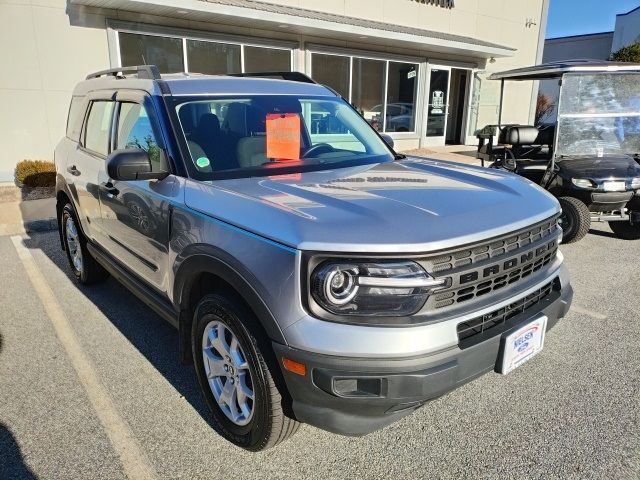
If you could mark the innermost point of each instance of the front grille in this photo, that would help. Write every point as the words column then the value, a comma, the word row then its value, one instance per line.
column 496, row 248
column 475, row 272
column 479, row 325
column 463, row 294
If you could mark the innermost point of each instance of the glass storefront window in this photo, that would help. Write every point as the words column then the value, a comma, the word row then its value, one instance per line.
column 368, row 82
column 208, row 57
column 261, row 59
column 401, row 97
column 164, row 52
column 369, row 79
column 333, row 71
column 213, row 58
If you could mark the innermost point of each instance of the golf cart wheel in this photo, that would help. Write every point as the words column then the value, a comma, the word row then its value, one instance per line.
column 626, row 230
column 575, row 219
column 233, row 368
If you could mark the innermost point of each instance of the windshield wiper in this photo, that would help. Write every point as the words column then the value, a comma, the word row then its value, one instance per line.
column 399, row 156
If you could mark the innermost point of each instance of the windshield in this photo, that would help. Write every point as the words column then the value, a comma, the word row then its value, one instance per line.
column 599, row 115
column 275, row 134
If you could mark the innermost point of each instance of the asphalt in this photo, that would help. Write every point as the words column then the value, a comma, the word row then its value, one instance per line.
column 573, row 412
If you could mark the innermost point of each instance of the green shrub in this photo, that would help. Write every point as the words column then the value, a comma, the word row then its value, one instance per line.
column 36, row 173
column 627, row 54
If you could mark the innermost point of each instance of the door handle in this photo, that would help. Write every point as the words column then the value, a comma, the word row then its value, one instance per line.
column 73, row 170
column 109, row 189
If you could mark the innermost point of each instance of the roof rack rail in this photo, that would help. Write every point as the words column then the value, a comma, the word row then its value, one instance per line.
column 149, row 72
column 292, row 76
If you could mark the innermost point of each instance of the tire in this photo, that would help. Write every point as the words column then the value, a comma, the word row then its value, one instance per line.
column 262, row 423
column 575, row 219
column 626, row 230
column 83, row 265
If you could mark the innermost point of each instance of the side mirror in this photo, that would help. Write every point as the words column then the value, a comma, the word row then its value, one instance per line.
column 131, row 164
column 388, row 140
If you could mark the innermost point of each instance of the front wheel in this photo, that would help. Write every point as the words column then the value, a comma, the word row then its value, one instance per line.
column 84, row 266
column 626, row 230
column 575, row 219
column 234, row 377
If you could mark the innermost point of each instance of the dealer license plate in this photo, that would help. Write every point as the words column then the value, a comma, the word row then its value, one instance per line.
column 522, row 345
column 614, row 186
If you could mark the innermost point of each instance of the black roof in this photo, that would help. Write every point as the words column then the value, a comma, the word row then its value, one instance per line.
column 558, row 69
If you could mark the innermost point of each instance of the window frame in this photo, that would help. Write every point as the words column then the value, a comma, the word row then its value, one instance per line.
column 95, row 98
column 143, row 99
column 182, row 46
column 114, row 28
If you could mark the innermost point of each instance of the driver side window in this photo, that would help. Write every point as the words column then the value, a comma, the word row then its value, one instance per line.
column 135, row 131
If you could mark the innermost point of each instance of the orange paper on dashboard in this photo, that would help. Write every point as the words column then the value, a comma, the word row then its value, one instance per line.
column 283, row 136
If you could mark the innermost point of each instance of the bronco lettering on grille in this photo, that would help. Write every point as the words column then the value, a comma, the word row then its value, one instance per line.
column 507, row 265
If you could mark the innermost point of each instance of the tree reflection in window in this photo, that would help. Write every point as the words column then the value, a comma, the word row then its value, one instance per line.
column 135, row 131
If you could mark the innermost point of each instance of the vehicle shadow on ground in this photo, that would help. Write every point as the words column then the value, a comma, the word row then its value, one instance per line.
column 11, row 461
column 602, row 233
column 151, row 335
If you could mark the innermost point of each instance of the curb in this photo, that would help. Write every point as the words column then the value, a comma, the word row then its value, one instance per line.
column 31, row 226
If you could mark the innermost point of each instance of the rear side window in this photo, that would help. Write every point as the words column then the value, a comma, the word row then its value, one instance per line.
column 98, row 126
column 135, row 131
column 74, row 120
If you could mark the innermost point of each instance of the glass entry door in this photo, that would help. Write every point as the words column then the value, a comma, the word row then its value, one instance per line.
column 438, row 104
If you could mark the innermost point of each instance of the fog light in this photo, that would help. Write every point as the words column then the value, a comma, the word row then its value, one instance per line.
column 358, row 387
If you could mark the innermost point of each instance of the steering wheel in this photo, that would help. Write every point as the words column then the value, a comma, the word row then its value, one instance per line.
column 318, row 149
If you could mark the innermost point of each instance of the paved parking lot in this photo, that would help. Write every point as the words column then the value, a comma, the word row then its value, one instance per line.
column 571, row 413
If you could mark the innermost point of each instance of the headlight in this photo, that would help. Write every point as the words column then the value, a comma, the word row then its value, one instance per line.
column 635, row 183
column 583, row 183
column 389, row 289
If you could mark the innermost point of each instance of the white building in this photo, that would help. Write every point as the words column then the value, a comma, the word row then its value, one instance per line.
column 403, row 57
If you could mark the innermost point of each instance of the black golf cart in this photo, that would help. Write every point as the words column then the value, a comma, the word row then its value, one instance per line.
column 590, row 157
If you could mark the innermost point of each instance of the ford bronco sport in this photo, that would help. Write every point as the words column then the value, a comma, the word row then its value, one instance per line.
column 313, row 274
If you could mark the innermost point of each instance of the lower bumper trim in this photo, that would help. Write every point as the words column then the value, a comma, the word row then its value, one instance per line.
column 354, row 397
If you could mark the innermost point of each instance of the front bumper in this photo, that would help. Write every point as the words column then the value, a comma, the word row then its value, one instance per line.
column 355, row 396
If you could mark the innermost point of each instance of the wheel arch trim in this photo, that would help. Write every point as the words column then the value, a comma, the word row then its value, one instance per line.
column 190, row 266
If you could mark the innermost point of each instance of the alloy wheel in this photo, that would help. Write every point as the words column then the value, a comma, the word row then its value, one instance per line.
column 73, row 244
column 228, row 373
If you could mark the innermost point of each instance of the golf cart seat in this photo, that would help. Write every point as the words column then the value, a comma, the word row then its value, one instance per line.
column 518, row 135
column 528, row 146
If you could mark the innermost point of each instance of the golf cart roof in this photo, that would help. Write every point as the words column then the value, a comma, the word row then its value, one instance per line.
column 558, row 69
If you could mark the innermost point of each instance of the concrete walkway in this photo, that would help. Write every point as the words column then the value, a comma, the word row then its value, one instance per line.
column 18, row 217
column 452, row 153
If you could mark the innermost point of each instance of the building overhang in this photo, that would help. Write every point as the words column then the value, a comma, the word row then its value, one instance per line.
column 268, row 16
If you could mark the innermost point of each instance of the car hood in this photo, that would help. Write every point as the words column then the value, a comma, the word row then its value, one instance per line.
column 415, row 205
column 598, row 168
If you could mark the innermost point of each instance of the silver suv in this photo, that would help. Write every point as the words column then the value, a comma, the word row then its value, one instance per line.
column 314, row 275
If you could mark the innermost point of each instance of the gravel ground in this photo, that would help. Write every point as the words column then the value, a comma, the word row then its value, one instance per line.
column 573, row 412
